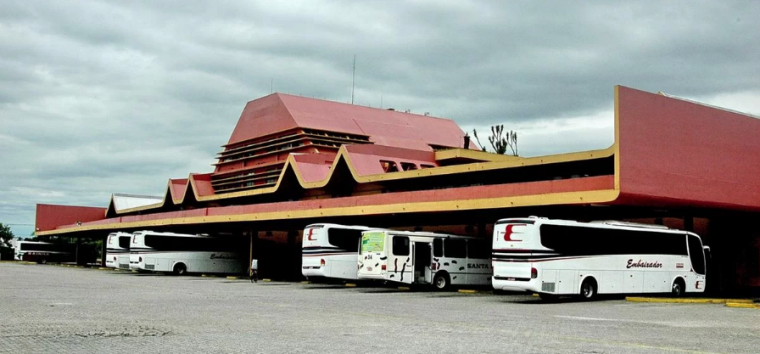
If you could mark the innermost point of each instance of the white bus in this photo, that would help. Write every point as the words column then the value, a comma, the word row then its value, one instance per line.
column 183, row 253
column 117, row 250
column 330, row 250
column 559, row 257
column 424, row 258
column 44, row 252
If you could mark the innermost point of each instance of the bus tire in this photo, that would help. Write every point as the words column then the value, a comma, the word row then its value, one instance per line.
column 589, row 289
column 441, row 281
column 43, row 261
column 180, row 269
column 678, row 287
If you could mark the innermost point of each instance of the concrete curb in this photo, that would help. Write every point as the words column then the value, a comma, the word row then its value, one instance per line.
column 686, row 300
column 743, row 305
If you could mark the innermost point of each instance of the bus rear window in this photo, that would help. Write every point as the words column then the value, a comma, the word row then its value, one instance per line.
column 124, row 241
column 345, row 239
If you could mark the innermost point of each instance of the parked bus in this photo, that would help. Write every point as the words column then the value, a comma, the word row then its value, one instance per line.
column 117, row 250
column 330, row 250
column 44, row 252
column 184, row 253
column 424, row 258
column 559, row 257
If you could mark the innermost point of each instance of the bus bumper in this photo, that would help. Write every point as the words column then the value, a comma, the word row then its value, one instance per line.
column 532, row 285
column 313, row 272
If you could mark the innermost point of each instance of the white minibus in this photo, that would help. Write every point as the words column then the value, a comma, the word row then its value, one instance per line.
column 560, row 257
column 117, row 250
column 330, row 250
column 424, row 258
column 184, row 253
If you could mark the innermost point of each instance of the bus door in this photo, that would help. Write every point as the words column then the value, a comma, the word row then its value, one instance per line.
column 698, row 264
column 422, row 260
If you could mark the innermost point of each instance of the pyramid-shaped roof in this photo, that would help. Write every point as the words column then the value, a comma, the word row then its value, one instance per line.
column 281, row 112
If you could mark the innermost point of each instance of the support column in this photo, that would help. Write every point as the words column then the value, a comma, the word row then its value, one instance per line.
column 76, row 257
column 688, row 223
column 250, row 254
column 294, row 255
column 103, row 252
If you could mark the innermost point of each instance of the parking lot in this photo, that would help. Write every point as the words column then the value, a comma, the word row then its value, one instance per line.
column 55, row 309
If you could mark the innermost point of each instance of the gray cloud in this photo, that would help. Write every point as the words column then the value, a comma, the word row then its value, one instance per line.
column 99, row 97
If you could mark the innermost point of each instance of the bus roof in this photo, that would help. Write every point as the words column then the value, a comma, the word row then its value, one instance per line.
column 353, row 227
column 153, row 233
column 603, row 224
column 425, row 234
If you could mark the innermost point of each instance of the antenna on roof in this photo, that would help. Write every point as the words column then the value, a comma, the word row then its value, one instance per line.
column 353, row 80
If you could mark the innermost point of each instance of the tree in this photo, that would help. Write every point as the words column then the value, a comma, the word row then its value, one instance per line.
column 501, row 141
column 6, row 235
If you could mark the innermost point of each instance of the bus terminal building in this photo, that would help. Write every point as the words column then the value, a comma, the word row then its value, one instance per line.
column 293, row 161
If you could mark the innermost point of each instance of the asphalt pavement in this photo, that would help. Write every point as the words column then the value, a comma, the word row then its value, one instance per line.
column 52, row 309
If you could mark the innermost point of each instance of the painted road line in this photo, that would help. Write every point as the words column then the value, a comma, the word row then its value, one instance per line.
column 742, row 305
column 686, row 300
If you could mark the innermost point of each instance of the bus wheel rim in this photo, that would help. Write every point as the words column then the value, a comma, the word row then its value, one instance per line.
column 441, row 282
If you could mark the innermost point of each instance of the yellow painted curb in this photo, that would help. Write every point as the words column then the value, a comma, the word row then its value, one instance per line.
column 535, row 295
column 686, row 300
column 104, row 268
column 266, row 280
column 404, row 288
column 467, row 291
column 742, row 305
column 350, row 285
column 306, row 282
column 233, row 277
column 208, row 275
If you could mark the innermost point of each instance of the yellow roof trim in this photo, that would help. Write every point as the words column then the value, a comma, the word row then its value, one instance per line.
column 565, row 198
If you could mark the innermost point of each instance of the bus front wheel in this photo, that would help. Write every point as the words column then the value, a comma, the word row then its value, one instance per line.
column 180, row 269
column 589, row 289
column 678, row 288
column 441, row 281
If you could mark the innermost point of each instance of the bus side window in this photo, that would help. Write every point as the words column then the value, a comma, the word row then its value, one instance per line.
column 400, row 246
column 438, row 247
column 455, row 248
column 478, row 249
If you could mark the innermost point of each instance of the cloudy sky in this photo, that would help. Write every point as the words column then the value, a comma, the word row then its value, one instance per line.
column 98, row 97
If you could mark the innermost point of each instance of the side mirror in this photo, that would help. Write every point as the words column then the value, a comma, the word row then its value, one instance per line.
column 708, row 254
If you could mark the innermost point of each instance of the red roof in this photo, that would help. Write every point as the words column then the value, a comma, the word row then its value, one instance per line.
column 280, row 112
